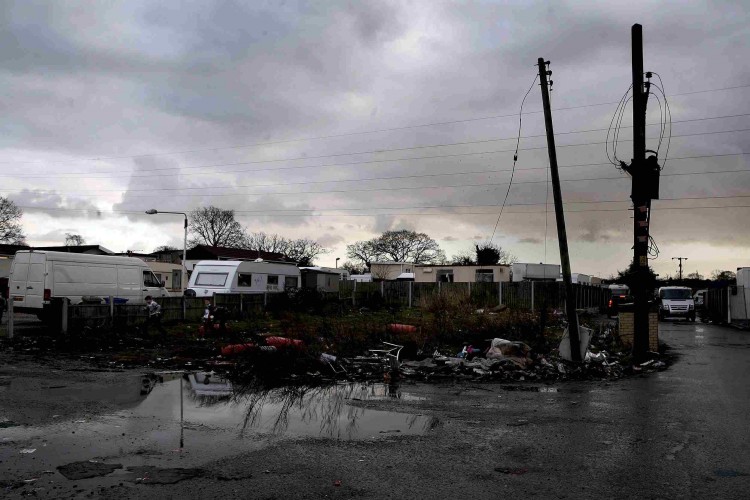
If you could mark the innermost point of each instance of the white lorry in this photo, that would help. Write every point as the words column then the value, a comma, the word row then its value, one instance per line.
column 239, row 276
column 38, row 277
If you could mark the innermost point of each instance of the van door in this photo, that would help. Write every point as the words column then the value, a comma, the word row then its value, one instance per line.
column 19, row 273
column 35, row 281
column 151, row 285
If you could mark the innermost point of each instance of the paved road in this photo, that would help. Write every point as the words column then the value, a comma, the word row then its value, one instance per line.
column 681, row 433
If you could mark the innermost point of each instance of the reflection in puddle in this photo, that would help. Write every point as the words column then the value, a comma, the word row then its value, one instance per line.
column 323, row 411
column 194, row 419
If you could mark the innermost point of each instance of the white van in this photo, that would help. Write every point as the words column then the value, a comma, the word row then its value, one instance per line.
column 676, row 301
column 37, row 277
column 239, row 276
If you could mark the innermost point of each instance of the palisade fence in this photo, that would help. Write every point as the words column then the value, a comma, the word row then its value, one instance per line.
column 729, row 305
column 393, row 294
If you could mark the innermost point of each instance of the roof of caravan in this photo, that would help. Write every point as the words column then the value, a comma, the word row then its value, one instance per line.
column 237, row 263
column 87, row 258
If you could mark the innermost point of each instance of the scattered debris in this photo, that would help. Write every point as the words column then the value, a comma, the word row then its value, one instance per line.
column 27, row 451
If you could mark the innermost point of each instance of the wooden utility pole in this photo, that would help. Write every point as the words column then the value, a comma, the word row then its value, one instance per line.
column 562, row 237
column 641, row 200
column 680, row 259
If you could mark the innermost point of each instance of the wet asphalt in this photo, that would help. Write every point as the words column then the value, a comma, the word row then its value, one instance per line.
column 679, row 433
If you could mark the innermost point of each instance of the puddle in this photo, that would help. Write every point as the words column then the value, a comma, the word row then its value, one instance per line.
column 182, row 422
column 529, row 388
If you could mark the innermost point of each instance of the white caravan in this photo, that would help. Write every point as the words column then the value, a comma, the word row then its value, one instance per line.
column 37, row 277
column 239, row 276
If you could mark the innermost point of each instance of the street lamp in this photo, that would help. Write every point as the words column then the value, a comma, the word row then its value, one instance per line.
column 337, row 262
column 183, row 281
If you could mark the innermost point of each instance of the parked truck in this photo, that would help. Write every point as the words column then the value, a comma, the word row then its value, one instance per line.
column 37, row 278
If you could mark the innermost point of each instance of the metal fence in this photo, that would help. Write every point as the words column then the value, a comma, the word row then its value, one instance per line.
column 521, row 295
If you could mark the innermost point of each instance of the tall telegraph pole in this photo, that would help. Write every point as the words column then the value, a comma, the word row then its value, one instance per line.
column 562, row 237
column 680, row 259
column 643, row 173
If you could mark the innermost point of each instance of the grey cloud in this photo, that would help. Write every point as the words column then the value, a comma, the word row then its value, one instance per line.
column 55, row 205
column 531, row 240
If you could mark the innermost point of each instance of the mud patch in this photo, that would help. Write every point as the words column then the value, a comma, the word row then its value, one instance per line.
column 85, row 470
column 157, row 475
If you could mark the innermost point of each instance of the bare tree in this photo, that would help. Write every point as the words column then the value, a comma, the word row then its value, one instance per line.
column 74, row 240
column 363, row 252
column 10, row 227
column 165, row 248
column 695, row 276
column 409, row 246
column 304, row 251
column 215, row 227
column 266, row 242
column 464, row 258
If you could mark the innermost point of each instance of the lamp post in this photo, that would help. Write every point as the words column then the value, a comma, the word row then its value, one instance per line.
column 337, row 262
column 184, row 244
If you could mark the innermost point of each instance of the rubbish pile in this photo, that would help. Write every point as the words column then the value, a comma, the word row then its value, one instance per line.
column 506, row 360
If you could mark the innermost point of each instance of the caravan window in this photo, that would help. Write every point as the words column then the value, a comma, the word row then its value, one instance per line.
column 290, row 282
column 211, row 279
column 273, row 280
column 245, row 279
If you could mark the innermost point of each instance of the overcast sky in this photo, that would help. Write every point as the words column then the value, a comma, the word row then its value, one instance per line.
column 323, row 120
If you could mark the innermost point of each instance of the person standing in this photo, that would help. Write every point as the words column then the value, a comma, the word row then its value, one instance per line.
column 154, row 317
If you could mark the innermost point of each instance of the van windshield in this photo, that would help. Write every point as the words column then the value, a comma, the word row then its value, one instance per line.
column 679, row 293
column 211, row 279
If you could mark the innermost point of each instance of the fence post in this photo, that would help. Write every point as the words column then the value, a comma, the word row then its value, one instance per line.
column 382, row 289
column 11, row 323
column 411, row 284
column 64, row 319
column 439, row 286
column 354, row 295
column 469, row 283
column 241, row 307
column 265, row 299
column 183, row 303
column 112, row 310
column 500, row 293
column 532, row 295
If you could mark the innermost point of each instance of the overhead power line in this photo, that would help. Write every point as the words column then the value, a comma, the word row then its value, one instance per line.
column 85, row 175
column 346, row 134
column 362, row 179
column 412, row 188
column 443, row 214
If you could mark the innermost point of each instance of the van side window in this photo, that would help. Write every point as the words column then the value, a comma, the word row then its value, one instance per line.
column 245, row 279
column 150, row 280
column 273, row 280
